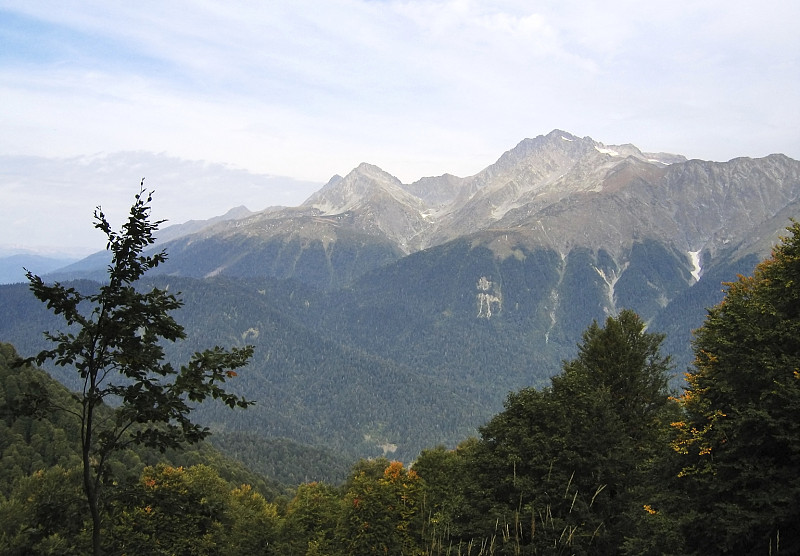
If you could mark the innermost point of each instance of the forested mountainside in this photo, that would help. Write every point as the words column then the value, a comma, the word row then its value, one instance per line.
column 12, row 266
column 602, row 460
column 388, row 317
column 33, row 442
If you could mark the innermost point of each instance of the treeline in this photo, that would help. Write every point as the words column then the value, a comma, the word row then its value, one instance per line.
column 603, row 460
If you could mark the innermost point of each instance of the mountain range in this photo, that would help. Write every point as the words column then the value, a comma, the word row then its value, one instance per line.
column 390, row 317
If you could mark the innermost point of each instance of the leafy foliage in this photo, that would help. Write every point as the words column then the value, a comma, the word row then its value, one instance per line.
column 381, row 514
column 41, row 476
column 28, row 444
column 176, row 510
column 114, row 342
column 602, row 460
column 741, row 435
column 311, row 519
column 45, row 513
column 562, row 468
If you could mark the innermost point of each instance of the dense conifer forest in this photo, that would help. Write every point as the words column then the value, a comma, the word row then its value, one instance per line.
column 603, row 460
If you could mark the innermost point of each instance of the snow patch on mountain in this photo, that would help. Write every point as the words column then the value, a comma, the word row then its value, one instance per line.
column 697, row 270
column 611, row 152
column 488, row 298
column 611, row 278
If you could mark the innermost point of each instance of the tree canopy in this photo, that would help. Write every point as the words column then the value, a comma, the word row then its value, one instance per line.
column 563, row 467
column 603, row 460
column 114, row 341
column 740, row 439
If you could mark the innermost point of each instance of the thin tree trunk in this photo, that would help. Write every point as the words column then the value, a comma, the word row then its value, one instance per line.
column 91, row 497
column 90, row 486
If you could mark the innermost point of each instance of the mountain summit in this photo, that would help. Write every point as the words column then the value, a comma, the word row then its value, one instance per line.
column 421, row 305
column 560, row 191
column 614, row 206
column 376, row 201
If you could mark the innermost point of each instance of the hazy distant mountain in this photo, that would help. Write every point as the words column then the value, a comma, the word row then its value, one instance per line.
column 94, row 266
column 390, row 315
column 12, row 267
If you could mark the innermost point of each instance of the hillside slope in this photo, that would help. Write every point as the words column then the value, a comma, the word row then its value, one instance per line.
column 391, row 317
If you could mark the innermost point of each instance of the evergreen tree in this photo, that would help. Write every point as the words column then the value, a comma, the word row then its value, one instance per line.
column 567, row 467
column 741, row 436
column 114, row 340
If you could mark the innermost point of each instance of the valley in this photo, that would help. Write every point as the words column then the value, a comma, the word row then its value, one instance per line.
column 388, row 318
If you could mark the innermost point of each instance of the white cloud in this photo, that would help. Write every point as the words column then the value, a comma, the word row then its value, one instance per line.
column 43, row 195
column 418, row 87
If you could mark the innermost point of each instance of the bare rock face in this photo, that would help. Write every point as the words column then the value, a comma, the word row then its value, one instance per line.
column 556, row 191
column 563, row 191
column 425, row 303
column 378, row 204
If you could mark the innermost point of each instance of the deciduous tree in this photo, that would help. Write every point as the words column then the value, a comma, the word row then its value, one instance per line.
column 740, row 439
column 311, row 519
column 382, row 515
column 114, row 340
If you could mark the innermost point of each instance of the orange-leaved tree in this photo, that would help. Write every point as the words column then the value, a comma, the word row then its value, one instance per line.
column 740, row 439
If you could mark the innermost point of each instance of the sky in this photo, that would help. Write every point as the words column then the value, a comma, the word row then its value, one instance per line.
column 216, row 103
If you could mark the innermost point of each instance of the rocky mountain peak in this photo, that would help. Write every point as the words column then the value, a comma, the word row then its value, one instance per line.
column 556, row 163
column 437, row 192
column 374, row 202
column 364, row 184
column 539, row 173
column 557, row 191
